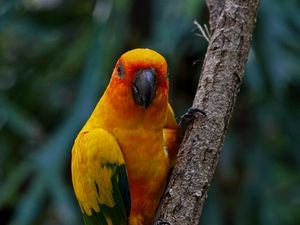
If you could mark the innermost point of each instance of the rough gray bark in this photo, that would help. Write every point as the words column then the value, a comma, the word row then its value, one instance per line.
column 232, row 24
column 215, row 8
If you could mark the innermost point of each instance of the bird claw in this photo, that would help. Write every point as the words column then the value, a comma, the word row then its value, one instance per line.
column 192, row 113
column 189, row 116
column 159, row 222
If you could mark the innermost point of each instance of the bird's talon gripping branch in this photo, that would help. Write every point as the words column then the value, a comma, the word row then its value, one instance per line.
column 192, row 113
column 188, row 117
column 159, row 222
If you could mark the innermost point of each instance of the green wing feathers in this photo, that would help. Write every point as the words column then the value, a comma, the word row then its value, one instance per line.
column 99, row 178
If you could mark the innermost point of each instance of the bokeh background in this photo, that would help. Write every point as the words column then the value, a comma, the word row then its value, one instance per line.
column 56, row 57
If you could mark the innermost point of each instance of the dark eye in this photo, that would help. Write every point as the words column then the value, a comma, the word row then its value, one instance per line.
column 120, row 70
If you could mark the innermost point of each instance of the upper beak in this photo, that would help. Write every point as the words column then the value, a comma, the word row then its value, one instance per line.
column 144, row 87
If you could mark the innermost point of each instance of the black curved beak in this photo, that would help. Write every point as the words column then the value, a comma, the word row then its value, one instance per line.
column 144, row 87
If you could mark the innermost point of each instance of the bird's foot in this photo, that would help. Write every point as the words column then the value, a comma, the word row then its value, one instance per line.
column 189, row 117
column 160, row 222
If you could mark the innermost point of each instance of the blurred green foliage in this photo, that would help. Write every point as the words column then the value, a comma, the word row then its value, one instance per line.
column 56, row 57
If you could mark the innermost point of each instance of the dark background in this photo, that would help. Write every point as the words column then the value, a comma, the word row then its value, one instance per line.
column 56, row 57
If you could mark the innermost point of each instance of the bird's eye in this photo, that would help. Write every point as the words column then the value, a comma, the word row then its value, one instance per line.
column 120, row 70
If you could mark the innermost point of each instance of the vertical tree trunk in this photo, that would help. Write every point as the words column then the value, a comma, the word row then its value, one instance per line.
column 232, row 23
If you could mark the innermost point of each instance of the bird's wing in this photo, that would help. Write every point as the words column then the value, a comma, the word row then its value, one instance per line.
column 100, row 179
column 171, row 135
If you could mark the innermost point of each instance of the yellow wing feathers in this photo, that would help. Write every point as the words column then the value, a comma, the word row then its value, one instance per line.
column 92, row 152
column 171, row 138
column 171, row 120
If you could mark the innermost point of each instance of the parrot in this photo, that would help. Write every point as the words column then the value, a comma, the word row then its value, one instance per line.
column 123, row 154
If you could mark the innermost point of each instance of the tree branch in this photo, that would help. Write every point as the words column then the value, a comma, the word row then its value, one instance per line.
column 215, row 8
column 232, row 25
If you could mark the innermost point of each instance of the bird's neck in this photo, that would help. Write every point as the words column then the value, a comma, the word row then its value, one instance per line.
column 116, row 108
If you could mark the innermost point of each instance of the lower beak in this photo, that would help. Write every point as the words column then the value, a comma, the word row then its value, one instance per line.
column 144, row 87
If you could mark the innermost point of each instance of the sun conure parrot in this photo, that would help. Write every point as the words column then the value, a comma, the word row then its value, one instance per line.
column 122, row 155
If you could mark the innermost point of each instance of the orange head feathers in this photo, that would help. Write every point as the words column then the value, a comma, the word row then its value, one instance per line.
column 144, row 71
column 137, row 94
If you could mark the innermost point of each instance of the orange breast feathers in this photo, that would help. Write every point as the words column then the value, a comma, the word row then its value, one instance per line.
column 135, row 110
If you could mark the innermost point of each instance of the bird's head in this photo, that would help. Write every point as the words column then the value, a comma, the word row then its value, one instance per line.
column 143, row 73
column 138, row 91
